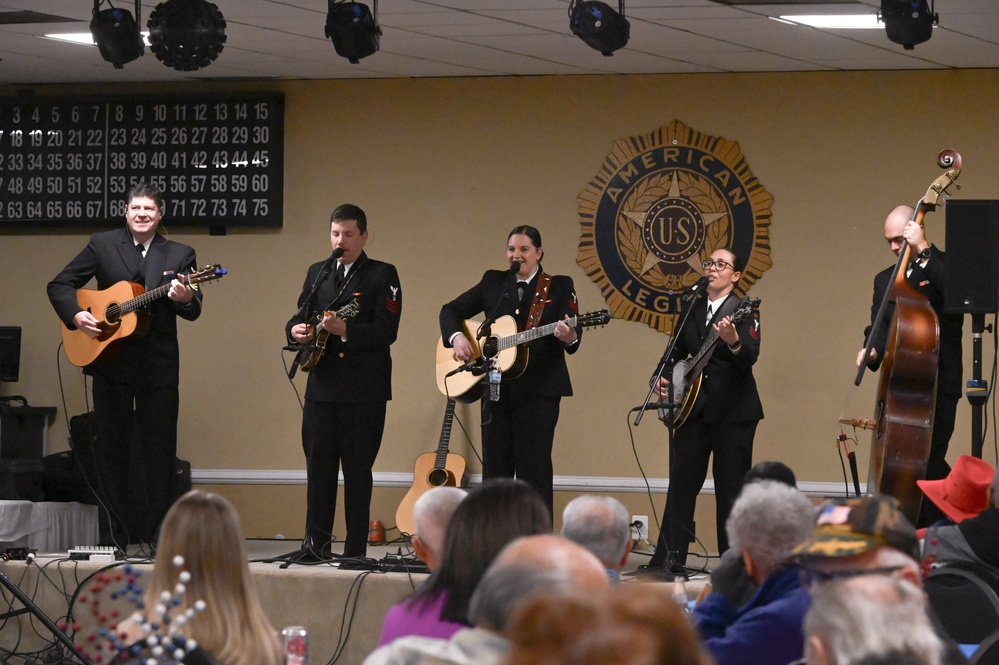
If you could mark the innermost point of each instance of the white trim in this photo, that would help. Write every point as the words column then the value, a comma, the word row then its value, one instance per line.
column 561, row 483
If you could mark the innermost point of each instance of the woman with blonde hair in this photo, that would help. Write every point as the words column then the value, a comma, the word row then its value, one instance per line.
column 204, row 530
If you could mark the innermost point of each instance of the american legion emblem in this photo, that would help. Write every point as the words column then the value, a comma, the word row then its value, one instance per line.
column 661, row 203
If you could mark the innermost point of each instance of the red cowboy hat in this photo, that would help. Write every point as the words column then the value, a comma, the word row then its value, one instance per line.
column 964, row 492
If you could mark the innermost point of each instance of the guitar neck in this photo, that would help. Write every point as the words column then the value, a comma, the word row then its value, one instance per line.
column 530, row 334
column 442, row 446
column 141, row 301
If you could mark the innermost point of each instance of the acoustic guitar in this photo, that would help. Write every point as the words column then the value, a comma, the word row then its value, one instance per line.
column 687, row 373
column 506, row 344
column 438, row 469
column 117, row 310
column 309, row 356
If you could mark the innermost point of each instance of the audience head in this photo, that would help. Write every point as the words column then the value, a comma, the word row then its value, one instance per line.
column 493, row 514
column 600, row 524
column 768, row 520
column 635, row 624
column 860, row 536
column 529, row 566
column 869, row 620
column 771, row 470
column 964, row 492
column 431, row 514
column 204, row 529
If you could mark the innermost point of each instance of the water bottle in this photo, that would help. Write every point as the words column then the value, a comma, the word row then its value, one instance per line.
column 495, row 376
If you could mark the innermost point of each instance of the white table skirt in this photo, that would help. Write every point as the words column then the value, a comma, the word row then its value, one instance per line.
column 47, row 526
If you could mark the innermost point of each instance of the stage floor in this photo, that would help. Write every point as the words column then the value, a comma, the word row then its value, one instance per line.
column 342, row 609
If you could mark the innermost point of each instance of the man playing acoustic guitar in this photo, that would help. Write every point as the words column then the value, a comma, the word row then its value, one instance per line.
column 135, row 380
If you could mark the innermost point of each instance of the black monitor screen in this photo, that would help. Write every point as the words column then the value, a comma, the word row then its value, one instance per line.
column 10, row 353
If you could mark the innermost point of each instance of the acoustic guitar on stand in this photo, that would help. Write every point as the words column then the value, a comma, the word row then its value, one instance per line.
column 117, row 310
column 438, row 469
column 506, row 344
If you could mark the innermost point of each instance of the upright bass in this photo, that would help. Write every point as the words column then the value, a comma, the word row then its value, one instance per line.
column 903, row 412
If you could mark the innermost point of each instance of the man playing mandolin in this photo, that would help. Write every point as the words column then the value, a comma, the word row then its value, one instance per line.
column 724, row 416
column 135, row 380
column 925, row 273
column 350, row 384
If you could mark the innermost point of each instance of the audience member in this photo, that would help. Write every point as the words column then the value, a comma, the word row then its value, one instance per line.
column 870, row 619
column 431, row 514
column 974, row 535
column 600, row 524
column 768, row 520
column 204, row 529
column 492, row 515
column 634, row 624
column 862, row 537
column 731, row 571
column 525, row 568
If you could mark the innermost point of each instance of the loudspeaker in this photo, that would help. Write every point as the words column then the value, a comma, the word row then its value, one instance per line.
column 972, row 268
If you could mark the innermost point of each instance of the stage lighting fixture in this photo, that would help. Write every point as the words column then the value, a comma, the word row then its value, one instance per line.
column 908, row 22
column 598, row 25
column 354, row 30
column 116, row 34
column 186, row 34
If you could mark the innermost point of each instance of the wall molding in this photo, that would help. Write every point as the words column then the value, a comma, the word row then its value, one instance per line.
column 562, row 483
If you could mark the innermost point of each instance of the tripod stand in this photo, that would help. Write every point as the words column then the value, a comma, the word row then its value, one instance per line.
column 29, row 606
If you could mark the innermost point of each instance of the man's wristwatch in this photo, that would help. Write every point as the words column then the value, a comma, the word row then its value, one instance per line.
column 925, row 254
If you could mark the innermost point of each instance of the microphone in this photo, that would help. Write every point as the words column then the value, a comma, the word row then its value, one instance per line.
column 695, row 289
column 515, row 267
column 699, row 284
column 299, row 347
column 470, row 366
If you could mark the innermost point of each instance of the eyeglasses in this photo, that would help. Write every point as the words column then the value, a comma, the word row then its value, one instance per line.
column 811, row 577
column 718, row 265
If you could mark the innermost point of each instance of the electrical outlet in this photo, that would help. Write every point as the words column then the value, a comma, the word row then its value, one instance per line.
column 640, row 527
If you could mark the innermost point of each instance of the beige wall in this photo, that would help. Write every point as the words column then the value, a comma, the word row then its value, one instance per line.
column 445, row 167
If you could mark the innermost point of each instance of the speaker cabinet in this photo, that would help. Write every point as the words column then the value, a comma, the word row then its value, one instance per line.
column 972, row 272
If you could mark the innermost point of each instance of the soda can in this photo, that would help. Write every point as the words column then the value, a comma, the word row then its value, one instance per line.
column 376, row 532
column 295, row 640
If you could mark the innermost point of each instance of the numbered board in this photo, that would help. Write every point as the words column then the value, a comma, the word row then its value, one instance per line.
column 69, row 162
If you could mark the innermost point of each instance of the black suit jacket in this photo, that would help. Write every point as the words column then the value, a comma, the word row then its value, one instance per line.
column 930, row 282
column 111, row 257
column 728, row 391
column 496, row 294
column 360, row 368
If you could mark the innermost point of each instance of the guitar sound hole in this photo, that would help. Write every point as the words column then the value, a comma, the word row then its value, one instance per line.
column 113, row 313
column 437, row 478
column 490, row 348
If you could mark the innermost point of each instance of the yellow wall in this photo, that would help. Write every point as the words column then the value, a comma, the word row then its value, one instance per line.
column 445, row 167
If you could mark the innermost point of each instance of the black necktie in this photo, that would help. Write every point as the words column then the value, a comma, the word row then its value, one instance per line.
column 521, row 288
column 141, row 249
column 339, row 276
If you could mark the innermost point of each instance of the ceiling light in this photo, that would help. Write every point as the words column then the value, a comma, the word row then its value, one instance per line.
column 116, row 34
column 836, row 21
column 908, row 22
column 353, row 29
column 186, row 34
column 598, row 25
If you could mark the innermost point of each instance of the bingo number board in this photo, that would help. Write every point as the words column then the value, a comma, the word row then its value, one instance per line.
column 69, row 162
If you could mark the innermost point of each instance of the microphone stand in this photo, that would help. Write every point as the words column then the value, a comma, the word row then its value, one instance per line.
column 305, row 311
column 666, row 412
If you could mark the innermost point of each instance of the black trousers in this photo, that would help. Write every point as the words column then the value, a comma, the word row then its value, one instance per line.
column 147, row 414
column 336, row 434
column 944, row 417
column 518, row 436
column 693, row 444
